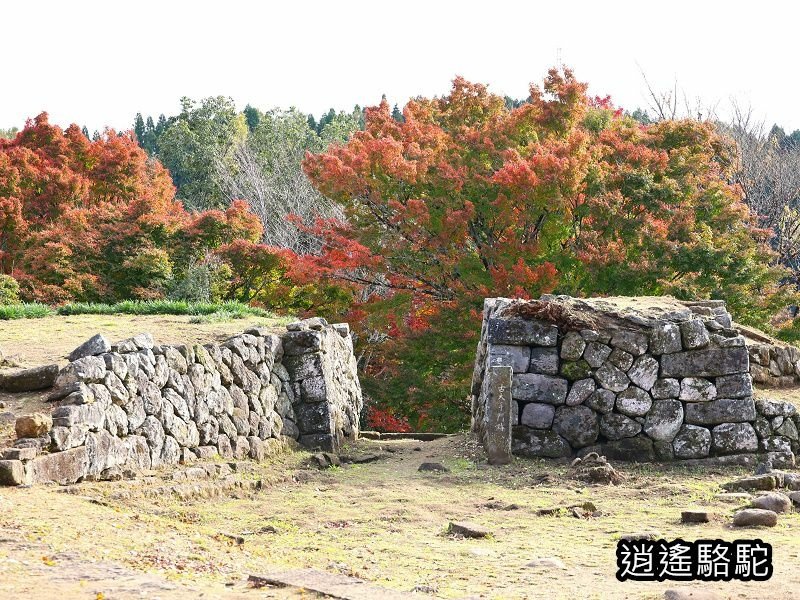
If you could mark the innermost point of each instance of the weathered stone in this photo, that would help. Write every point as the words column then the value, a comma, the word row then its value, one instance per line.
column 774, row 501
column 60, row 467
column 537, row 443
column 468, row 530
column 224, row 446
column 621, row 359
column 501, row 355
column 596, row 354
column 33, row 425
column 601, row 400
column 117, row 390
column 12, row 472
column 775, row 408
column 522, row 332
column 116, row 422
column 615, row 426
column 611, row 377
column 89, row 369
column 664, row 420
column 635, row 449
column 577, row 424
column 572, row 346
column 694, row 334
column 97, row 344
column 665, row 338
column 692, row 442
column 23, row 454
column 764, row 482
column 724, row 410
column 697, row 389
column 539, row 388
column 313, row 417
column 632, row 342
column 695, row 516
column 788, row 429
column 574, row 370
column 739, row 385
column 755, row 517
column 709, row 362
column 171, row 452
column 580, row 391
column 28, row 380
column 733, row 438
column 538, row 416
column 634, row 402
column 665, row 388
column 644, row 372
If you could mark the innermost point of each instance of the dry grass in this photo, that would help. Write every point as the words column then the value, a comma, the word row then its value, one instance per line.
column 386, row 522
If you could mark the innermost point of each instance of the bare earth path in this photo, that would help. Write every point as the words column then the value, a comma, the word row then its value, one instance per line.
column 381, row 521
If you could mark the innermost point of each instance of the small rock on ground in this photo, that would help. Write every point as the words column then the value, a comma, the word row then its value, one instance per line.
column 774, row 501
column 734, row 497
column 434, row 467
column 755, row 517
column 691, row 595
column 641, row 535
column 469, row 530
column 547, row 563
column 695, row 516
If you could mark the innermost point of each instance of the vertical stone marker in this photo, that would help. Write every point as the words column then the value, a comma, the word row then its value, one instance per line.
column 498, row 415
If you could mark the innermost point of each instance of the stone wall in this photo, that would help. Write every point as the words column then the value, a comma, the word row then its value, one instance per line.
column 139, row 405
column 632, row 378
column 774, row 365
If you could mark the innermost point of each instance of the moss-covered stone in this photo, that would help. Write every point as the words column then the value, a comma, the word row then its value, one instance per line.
column 574, row 370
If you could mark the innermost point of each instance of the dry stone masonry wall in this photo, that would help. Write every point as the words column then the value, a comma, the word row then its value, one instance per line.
column 632, row 378
column 140, row 405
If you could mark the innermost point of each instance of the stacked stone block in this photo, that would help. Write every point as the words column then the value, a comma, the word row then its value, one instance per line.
column 141, row 405
column 774, row 365
column 652, row 381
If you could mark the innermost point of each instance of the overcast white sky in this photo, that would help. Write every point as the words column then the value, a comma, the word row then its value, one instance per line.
column 97, row 63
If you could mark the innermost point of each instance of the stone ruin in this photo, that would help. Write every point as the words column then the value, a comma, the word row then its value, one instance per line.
column 639, row 379
column 138, row 405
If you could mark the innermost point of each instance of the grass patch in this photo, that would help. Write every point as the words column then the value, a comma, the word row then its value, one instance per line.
column 220, row 311
column 32, row 310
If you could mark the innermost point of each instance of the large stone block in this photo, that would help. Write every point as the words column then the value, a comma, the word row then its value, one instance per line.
column 12, row 472
column 522, row 332
column 694, row 334
column 644, row 372
column 580, row 391
column 538, row 416
column 577, row 424
column 634, row 402
column 572, row 346
column 516, row 357
column 97, row 344
column 537, row 443
column 664, row 420
column 734, row 438
column 60, row 467
column 533, row 387
column 665, row 338
column 724, row 410
column 635, row 449
column 739, row 385
column 692, row 442
column 697, row 389
column 611, row 377
column 708, row 362
column 615, row 426
column 29, row 380
column 633, row 342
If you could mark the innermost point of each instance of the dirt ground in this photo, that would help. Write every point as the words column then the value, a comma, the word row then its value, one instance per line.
column 382, row 521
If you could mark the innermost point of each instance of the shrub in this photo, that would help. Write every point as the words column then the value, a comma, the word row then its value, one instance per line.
column 9, row 290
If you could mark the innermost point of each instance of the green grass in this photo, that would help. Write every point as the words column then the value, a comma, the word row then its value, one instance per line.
column 33, row 310
column 203, row 311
